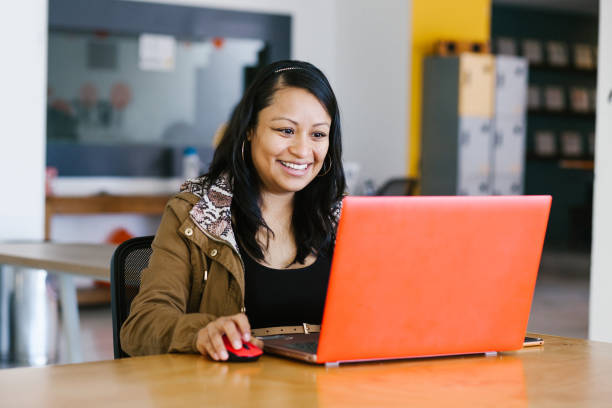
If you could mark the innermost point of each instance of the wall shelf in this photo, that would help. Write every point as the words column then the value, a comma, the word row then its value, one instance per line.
column 102, row 204
column 564, row 113
column 561, row 69
column 578, row 163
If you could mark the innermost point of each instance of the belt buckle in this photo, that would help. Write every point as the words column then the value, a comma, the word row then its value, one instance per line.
column 305, row 325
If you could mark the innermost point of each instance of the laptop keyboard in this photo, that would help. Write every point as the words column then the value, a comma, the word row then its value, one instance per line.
column 308, row 347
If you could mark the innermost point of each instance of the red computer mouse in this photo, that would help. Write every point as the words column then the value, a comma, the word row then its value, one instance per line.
column 248, row 352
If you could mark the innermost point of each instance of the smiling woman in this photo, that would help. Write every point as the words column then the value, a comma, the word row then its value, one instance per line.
column 248, row 245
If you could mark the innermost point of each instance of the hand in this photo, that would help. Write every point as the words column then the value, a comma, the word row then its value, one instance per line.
column 235, row 327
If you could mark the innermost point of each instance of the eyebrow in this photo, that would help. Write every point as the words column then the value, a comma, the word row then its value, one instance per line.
column 295, row 123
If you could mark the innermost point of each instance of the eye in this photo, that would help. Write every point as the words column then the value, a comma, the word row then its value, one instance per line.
column 319, row 135
column 286, row 131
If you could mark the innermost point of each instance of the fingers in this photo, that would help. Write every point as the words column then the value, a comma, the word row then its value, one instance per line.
column 243, row 325
column 204, row 344
column 201, row 340
column 216, row 344
column 257, row 342
column 233, row 333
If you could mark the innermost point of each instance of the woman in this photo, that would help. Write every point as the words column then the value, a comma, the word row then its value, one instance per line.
column 248, row 244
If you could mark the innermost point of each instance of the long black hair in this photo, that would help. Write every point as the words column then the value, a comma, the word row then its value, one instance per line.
column 313, row 219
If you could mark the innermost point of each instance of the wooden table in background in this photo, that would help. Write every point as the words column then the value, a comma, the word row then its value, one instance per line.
column 100, row 204
column 91, row 260
column 563, row 372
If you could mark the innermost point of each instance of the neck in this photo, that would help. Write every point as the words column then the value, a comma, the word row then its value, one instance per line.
column 277, row 208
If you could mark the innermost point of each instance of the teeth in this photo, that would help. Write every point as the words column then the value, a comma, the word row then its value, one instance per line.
column 295, row 166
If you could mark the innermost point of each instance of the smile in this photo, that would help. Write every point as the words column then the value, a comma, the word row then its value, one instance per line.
column 294, row 166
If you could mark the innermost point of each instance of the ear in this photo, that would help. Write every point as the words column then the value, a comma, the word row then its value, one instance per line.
column 249, row 135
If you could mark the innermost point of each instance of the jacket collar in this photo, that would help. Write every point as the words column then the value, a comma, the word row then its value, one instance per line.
column 212, row 213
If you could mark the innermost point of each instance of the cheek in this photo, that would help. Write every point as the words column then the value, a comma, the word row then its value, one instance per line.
column 321, row 152
column 263, row 150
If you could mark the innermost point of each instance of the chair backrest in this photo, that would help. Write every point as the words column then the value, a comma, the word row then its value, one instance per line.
column 398, row 187
column 129, row 259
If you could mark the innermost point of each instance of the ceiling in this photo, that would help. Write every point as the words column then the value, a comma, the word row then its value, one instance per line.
column 580, row 6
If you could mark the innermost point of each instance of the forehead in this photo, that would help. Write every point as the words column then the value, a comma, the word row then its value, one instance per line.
column 297, row 104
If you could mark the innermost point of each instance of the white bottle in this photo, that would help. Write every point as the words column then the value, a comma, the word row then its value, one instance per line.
column 191, row 163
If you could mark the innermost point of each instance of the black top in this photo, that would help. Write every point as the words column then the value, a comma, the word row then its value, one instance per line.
column 285, row 297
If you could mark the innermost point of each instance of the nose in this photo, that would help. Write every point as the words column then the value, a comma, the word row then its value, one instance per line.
column 300, row 146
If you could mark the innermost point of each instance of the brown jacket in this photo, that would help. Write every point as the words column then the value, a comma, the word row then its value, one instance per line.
column 195, row 273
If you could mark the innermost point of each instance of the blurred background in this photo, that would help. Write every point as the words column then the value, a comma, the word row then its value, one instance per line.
column 108, row 105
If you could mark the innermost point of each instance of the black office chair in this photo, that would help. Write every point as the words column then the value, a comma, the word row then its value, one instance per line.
column 129, row 259
column 403, row 186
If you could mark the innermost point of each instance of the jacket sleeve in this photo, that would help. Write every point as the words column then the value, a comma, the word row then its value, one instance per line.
column 158, row 322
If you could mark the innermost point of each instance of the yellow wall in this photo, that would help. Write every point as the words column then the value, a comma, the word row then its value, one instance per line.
column 434, row 20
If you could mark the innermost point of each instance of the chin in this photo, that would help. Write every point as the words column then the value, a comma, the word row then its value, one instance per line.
column 294, row 188
column 295, row 185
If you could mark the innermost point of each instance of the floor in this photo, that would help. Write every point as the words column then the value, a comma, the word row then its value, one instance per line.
column 561, row 300
column 560, row 307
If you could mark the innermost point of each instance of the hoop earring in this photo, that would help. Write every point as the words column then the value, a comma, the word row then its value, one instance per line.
column 328, row 167
column 243, row 149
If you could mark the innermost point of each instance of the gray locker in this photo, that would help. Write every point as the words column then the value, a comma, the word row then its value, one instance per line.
column 511, row 86
column 440, row 126
column 508, row 156
column 473, row 166
column 508, row 159
column 473, row 151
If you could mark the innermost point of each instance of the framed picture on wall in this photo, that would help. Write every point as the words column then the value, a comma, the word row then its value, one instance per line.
column 506, row 46
column 583, row 56
column 579, row 100
column 554, row 98
column 571, row 143
column 534, row 97
column 545, row 143
column 557, row 54
column 532, row 50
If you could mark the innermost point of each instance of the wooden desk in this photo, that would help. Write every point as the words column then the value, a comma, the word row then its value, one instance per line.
column 564, row 372
column 91, row 260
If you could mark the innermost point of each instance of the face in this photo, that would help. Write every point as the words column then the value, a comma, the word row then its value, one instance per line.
column 290, row 142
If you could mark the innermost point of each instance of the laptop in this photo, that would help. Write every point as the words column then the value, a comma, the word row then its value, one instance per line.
column 426, row 276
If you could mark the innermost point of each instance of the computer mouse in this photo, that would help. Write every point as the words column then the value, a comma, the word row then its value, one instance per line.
column 248, row 352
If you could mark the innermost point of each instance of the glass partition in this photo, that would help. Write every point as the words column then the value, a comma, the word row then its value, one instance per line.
column 99, row 93
column 131, row 85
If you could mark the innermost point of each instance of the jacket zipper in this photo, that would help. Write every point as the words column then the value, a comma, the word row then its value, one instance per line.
column 221, row 241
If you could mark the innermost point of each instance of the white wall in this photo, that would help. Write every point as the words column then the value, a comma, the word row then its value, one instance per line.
column 600, row 313
column 372, row 66
column 23, row 71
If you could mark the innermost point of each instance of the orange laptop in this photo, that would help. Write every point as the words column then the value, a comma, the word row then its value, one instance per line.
column 427, row 276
